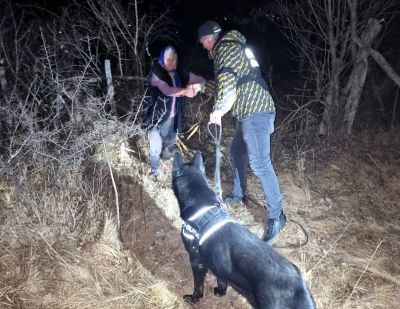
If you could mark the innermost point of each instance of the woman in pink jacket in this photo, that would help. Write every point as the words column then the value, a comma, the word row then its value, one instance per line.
column 165, row 115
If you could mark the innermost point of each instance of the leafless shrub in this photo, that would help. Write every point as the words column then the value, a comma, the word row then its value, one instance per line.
column 334, row 39
column 53, row 108
column 53, row 113
column 298, row 127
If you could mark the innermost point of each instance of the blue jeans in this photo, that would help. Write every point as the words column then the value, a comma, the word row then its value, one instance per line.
column 251, row 144
column 161, row 139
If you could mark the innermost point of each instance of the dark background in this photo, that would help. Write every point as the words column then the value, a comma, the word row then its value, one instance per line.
column 273, row 51
column 268, row 44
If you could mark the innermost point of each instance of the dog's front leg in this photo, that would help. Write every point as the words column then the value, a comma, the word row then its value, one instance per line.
column 198, row 268
column 199, row 273
column 220, row 290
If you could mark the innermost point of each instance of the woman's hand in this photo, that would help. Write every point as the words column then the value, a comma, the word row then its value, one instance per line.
column 190, row 91
column 181, row 92
column 187, row 92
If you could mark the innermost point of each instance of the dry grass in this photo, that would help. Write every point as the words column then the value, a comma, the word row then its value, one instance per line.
column 107, row 277
column 160, row 191
column 348, row 203
column 49, row 260
column 351, row 260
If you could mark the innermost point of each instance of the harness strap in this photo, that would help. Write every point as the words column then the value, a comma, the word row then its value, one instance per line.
column 213, row 229
column 226, row 70
column 204, row 223
column 253, row 76
column 201, row 212
column 190, row 233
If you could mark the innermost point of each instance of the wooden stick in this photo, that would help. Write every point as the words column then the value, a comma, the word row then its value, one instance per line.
column 330, row 249
column 114, row 186
column 181, row 145
column 369, row 262
column 193, row 132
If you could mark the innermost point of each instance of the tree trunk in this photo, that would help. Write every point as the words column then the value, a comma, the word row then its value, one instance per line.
column 3, row 80
column 385, row 66
column 391, row 73
column 332, row 98
column 376, row 92
column 357, row 78
column 110, row 86
column 353, row 4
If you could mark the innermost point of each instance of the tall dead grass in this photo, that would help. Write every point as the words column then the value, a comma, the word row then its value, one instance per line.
column 348, row 201
column 49, row 260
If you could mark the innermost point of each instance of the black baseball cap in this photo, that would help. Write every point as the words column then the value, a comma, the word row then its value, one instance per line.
column 207, row 28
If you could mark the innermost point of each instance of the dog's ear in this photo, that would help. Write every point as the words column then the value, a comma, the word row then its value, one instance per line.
column 198, row 161
column 178, row 161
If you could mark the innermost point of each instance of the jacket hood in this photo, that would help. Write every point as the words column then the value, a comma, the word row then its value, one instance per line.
column 232, row 35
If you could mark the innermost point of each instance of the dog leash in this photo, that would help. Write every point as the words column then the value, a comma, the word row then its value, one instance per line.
column 292, row 245
column 289, row 245
column 216, row 136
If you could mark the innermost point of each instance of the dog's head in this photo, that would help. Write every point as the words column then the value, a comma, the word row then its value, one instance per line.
column 190, row 184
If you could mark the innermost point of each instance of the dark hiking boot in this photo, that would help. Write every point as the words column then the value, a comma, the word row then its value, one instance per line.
column 274, row 228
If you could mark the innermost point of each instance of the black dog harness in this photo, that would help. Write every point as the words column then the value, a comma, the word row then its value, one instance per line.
column 255, row 73
column 205, row 222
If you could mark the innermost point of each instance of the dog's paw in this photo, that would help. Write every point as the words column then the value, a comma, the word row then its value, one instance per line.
column 190, row 298
column 219, row 291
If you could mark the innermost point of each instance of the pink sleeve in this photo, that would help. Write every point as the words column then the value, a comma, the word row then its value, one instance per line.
column 195, row 79
column 163, row 86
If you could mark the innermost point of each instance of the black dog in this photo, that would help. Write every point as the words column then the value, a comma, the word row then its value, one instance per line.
column 233, row 254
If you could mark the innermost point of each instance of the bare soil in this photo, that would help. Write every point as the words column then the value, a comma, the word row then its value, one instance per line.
column 157, row 244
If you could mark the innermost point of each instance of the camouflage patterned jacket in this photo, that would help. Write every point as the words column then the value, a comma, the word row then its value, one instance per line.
column 238, row 84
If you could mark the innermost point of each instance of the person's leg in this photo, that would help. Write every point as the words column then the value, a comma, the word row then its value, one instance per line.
column 155, row 143
column 168, row 136
column 257, row 129
column 180, row 118
column 240, row 162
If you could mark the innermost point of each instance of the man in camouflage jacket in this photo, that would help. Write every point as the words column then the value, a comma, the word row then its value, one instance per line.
column 239, row 87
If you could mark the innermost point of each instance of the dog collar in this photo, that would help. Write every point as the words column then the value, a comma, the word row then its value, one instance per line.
column 204, row 223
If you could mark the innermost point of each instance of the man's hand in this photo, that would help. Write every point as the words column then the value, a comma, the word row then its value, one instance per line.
column 196, row 88
column 193, row 90
column 190, row 91
column 215, row 117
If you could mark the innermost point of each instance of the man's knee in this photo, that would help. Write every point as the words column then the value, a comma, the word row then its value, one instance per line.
column 261, row 166
column 155, row 151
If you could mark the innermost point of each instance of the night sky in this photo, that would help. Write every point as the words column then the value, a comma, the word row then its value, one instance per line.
column 188, row 15
column 269, row 45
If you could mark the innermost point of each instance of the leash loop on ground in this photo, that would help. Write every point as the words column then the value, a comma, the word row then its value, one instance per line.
column 291, row 245
column 216, row 134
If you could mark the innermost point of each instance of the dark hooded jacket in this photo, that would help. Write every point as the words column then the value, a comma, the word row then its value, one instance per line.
column 158, row 105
